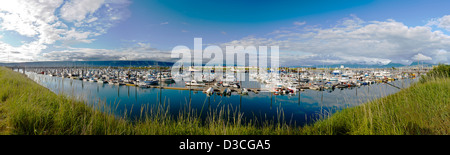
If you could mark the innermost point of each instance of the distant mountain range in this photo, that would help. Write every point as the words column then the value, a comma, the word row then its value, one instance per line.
column 89, row 64
column 390, row 65
column 154, row 63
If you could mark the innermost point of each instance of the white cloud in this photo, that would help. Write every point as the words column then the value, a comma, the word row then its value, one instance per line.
column 442, row 56
column 164, row 23
column 141, row 51
column 253, row 41
column 31, row 18
column 91, row 20
column 77, row 10
column 25, row 17
column 76, row 36
column 22, row 53
column 443, row 22
column 39, row 21
column 299, row 23
column 389, row 39
column 353, row 40
column 421, row 57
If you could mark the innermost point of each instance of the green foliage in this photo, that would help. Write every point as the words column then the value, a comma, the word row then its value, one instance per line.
column 440, row 71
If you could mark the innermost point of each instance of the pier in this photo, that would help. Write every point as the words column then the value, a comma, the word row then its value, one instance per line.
column 203, row 89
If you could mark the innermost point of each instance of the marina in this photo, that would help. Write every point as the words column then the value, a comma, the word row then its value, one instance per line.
column 301, row 96
column 284, row 81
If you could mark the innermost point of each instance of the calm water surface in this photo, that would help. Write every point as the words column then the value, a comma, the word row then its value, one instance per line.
column 301, row 108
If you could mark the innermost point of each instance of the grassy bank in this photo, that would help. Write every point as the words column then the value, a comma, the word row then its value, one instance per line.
column 422, row 109
column 28, row 108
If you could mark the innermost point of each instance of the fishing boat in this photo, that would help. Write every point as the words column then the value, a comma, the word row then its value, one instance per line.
column 145, row 84
column 334, row 79
column 336, row 72
column 194, row 83
column 277, row 88
column 291, row 89
column 209, row 91
column 344, row 80
column 92, row 80
column 153, row 82
column 236, row 85
column 111, row 82
column 244, row 91
column 119, row 83
column 208, row 78
column 315, row 87
column 304, row 80
column 218, row 83
column 329, row 85
column 229, row 78
column 342, row 85
column 226, row 91
column 167, row 78
column 225, row 84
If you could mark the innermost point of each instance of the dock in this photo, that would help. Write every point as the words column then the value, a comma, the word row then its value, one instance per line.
column 203, row 89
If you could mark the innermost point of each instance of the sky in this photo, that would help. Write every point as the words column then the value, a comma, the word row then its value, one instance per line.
column 307, row 32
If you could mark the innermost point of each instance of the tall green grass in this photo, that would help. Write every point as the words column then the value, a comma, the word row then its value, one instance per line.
column 422, row 109
column 26, row 108
column 32, row 109
column 438, row 72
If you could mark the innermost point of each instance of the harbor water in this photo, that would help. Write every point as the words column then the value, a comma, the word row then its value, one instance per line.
column 299, row 108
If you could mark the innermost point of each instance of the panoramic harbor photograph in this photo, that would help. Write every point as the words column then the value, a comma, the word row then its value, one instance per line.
column 199, row 67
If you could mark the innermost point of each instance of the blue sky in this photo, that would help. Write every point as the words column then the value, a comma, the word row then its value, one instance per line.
column 178, row 22
column 308, row 32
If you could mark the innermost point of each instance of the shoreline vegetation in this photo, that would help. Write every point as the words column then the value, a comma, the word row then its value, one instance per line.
column 27, row 108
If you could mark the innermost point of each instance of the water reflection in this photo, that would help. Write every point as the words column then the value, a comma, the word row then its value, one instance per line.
column 302, row 107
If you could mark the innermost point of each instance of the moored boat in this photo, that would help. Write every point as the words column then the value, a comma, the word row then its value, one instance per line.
column 194, row 83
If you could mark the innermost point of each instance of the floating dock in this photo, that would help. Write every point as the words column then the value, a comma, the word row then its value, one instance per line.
column 203, row 89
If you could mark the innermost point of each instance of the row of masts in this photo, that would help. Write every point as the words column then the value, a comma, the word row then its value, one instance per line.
column 284, row 80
